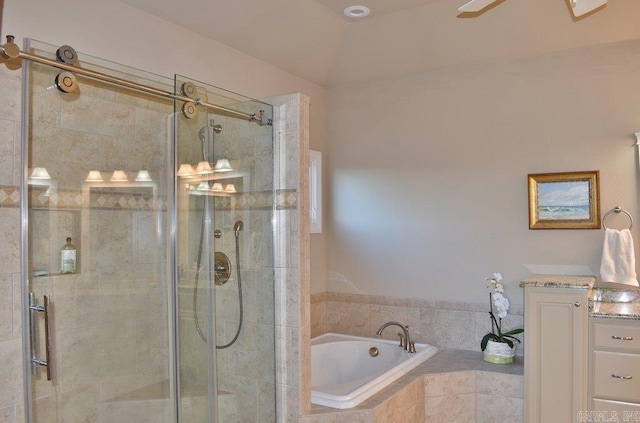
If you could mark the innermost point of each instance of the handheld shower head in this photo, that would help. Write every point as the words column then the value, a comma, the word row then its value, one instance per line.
column 237, row 227
column 205, row 135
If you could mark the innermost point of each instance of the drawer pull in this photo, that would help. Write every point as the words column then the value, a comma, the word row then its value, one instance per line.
column 622, row 338
column 621, row 377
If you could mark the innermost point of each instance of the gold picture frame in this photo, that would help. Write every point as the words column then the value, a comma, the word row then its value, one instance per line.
column 565, row 200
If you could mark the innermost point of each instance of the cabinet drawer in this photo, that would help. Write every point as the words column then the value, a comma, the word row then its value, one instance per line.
column 621, row 408
column 617, row 336
column 616, row 375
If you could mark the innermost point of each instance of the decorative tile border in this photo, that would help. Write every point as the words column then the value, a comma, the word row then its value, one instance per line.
column 262, row 200
column 72, row 199
column 515, row 309
column 9, row 196
column 98, row 200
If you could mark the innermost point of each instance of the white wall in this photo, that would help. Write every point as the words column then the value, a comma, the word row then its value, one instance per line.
column 428, row 172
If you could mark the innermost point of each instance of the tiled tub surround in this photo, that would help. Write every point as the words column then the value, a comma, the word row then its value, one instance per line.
column 454, row 386
column 444, row 324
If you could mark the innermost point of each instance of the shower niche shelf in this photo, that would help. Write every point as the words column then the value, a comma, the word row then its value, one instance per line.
column 48, row 231
column 220, row 184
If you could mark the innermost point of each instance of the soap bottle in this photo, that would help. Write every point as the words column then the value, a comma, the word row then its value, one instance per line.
column 68, row 257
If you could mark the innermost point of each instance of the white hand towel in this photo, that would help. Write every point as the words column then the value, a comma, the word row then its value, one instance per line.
column 618, row 258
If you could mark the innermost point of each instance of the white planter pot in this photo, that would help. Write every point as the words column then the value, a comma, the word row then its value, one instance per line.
column 499, row 353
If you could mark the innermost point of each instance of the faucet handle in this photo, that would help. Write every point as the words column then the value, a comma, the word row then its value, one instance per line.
column 403, row 341
column 412, row 347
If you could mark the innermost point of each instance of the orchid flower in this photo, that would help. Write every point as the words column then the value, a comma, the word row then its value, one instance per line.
column 499, row 303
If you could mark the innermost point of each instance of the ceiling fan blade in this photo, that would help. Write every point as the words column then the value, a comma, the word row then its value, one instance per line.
column 476, row 5
column 580, row 7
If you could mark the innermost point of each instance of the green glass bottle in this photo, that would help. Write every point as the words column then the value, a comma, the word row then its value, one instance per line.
column 68, row 257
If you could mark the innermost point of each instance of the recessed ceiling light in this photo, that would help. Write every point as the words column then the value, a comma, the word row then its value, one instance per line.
column 357, row 11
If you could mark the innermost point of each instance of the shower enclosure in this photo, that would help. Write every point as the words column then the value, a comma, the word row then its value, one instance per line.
column 169, row 313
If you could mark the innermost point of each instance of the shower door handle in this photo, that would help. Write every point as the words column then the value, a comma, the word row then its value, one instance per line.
column 45, row 309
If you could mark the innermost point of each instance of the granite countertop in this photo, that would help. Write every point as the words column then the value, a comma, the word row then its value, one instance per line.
column 603, row 310
column 614, row 301
column 606, row 300
column 558, row 281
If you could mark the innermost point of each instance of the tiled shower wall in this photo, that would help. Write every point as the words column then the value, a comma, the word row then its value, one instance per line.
column 291, row 229
column 291, row 264
column 445, row 324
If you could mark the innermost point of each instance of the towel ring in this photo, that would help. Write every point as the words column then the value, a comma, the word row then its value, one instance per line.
column 616, row 210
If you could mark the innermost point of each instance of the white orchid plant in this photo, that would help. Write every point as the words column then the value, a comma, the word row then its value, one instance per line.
column 500, row 303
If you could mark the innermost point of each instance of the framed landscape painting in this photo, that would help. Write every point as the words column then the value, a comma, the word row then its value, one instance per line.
column 567, row 200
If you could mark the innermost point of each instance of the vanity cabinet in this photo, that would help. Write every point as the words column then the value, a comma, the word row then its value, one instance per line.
column 615, row 366
column 556, row 338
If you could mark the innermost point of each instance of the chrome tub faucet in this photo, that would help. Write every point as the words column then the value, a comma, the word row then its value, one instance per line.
column 405, row 340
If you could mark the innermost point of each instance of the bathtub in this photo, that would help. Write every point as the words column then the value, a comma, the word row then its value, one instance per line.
column 343, row 372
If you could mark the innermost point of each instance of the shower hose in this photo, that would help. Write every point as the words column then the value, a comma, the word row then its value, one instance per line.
column 195, row 290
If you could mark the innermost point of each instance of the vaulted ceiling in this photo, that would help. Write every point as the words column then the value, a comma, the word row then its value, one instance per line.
column 315, row 41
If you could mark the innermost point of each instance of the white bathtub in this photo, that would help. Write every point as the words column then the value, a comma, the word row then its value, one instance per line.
column 343, row 373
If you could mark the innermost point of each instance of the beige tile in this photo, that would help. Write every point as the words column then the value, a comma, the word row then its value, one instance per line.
column 20, row 417
column 227, row 408
column 498, row 383
column 323, row 418
column 366, row 416
column 91, row 354
column 82, row 114
column 449, row 384
column 10, row 372
column 266, row 402
column 286, row 151
column 450, row 408
column 414, row 414
column 348, row 318
column 45, row 410
column 10, row 234
column 380, row 414
column 264, row 163
column 290, row 363
column 446, row 328
column 78, row 147
column 134, row 411
column 8, row 414
column 393, row 409
column 318, row 318
column 287, row 294
column 499, row 409
column 10, row 92
column 252, row 355
column 6, row 306
column 79, row 406
column 7, row 152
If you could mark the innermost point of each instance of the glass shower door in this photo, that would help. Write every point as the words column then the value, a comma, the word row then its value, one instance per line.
column 152, row 284
column 224, row 244
column 95, row 163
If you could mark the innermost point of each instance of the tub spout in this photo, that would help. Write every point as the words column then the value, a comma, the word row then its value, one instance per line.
column 405, row 340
